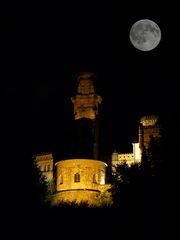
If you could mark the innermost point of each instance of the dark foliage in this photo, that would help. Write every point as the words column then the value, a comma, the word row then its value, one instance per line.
column 144, row 196
column 39, row 189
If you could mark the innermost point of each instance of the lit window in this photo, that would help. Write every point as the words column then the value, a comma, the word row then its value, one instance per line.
column 77, row 177
column 95, row 178
column 60, row 179
column 102, row 177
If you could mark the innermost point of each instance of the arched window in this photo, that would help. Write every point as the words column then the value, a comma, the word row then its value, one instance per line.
column 60, row 179
column 95, row 177
column 77, row 177
column 102, row 177
column 49, row 168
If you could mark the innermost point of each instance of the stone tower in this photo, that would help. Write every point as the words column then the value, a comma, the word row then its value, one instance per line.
column 45, row 163
column 149, row 127
column 86, row 102
column 82, row 177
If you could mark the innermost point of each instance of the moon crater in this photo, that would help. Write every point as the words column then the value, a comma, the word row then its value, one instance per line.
column 145, row 35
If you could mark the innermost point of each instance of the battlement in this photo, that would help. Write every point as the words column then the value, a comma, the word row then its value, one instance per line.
column 43, row 157
column 85, row 75
column 126, row 154
column 149, row 121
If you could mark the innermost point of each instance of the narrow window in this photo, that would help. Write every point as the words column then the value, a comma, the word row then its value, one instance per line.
column 60, row 179
column 77, row 177
column 49, row 167
column 95, row 178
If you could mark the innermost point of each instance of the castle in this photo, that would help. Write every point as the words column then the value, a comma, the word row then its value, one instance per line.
column 149, row 127
column 84, row 178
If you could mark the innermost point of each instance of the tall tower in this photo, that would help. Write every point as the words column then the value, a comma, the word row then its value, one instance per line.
column 86, row 103
column 82, row 177
column 149, row 128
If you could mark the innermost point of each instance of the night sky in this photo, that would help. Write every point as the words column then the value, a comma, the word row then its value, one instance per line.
column 44, row 49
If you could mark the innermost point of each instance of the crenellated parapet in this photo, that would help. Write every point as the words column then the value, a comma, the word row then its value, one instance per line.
column 149, row 128
column 149, row 121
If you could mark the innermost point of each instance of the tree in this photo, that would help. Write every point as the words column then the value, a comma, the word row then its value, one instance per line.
column 39, row 189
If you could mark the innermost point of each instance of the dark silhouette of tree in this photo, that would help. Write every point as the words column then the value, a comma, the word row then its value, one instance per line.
column 126, row 186
column 39, row 189
column 138, row 189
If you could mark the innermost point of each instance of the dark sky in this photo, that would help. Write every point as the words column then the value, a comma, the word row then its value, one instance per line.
column 43, row 49
column 43, row 46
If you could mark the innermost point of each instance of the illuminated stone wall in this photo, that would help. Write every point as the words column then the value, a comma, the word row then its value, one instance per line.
column 149, row 127
column 121, row 158
column 128, row 158
column 86, row 100
column 45, row 164
column 76, row 196
column 95, row 198
column 149, row 132
column 80, row 180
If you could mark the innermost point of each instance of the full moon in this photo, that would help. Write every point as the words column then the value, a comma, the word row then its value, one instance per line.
column 145, row 35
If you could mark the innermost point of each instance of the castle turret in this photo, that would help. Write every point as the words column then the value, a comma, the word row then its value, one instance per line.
column 86, row 102
column 149, row 128
column 45, row 163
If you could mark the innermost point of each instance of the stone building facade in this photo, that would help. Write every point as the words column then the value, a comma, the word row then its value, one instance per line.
column 81, row 179
column 149, row 127
column 75, row 180
column 45, row 164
